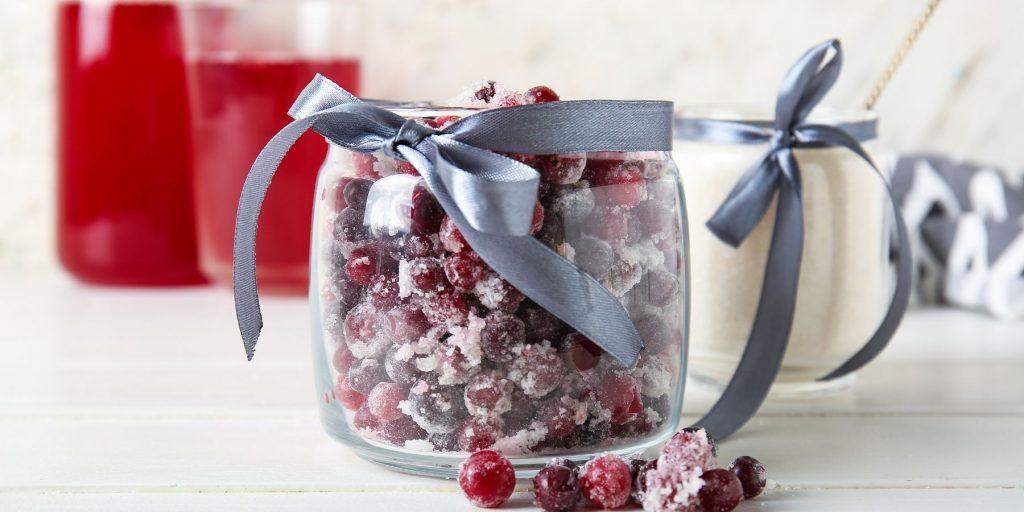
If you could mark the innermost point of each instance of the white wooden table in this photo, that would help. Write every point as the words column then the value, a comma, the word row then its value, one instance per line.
column 114, row 399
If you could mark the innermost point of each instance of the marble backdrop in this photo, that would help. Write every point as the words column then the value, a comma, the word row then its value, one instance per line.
column 960, row 91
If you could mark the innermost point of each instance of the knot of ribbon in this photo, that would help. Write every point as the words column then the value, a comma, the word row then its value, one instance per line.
column 776, row 176
column 489, row 197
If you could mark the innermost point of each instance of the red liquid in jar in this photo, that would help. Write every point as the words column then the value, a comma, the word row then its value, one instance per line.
column 124, row 210
column 238, row 105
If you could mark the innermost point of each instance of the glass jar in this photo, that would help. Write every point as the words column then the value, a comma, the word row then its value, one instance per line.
column 423, row 353
column 247, row 62
column 846, row 279
column 124, row 191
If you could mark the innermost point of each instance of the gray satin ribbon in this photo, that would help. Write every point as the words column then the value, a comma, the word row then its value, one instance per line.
column 489, row 197
column 777, row 174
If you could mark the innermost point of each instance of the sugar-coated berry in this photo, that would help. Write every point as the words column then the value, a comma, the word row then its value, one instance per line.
column 656, row 220
column 365, row 375
column 446, row 308
column 536, row 369
column 406, row 168
column 451, row 237
column 559, row 416
column 401, row 430
column 539, row 94
column 618, row 393
column 751, row 475
column 620, row 184
column 427, row 275
column 437, row 409
column 349, row 398
column 721, row 492
column 464, row 269
column 360, row 325
column 639, row 469
column 501, row 334
column 383, row 291
column 418, row 246
column 398, row 370
column 582, row 353
column 661, row 287
column 594, row 256
column 363, row 165
column 556, row 488
column 672, row 489
column 348, row 226
column 494, row 292
column 542, row 325
column 426, row 212
column 342, row 359
column 406, row 323
column 689, row 447
column 486, row 91
column 608, row 224
column 479, row 432
column 563, row 169
column 487, row 479
column 363, row 419
column 383, row 401
column 605, row 481
column 356, row 191
column 655, row 332
column 489, row 392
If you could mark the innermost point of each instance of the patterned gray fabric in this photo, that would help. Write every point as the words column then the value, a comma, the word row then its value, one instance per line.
column 967, row 222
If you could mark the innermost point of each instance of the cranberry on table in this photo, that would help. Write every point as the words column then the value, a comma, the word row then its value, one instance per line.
column 487, row 479
column 751, row 475
column 556, row 488
column 640, row 468
column 721, row 492
column 479, row 432
column 539, row 94
column 605, row 481
column 690, row 448
column 673, row 489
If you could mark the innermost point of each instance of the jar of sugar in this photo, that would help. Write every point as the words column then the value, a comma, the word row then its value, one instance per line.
column 846, row 277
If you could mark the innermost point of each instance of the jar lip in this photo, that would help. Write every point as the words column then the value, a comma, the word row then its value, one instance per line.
column 760, row 113
column 422, row 108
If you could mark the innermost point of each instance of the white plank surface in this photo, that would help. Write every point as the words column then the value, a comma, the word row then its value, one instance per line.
column 142, row 400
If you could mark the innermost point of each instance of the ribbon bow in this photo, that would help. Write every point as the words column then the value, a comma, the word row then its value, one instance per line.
column 489, row 197
column 778, row 174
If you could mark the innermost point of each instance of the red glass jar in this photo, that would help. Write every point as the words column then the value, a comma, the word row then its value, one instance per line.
column 124, row 207
column 247, row 62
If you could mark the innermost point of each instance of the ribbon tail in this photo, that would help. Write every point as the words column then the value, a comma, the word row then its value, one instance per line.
column 746, row 203
column 769, row 333
column 247, row 301
column 897, row 307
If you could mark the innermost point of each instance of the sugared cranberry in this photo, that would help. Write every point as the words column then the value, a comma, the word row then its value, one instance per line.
column 436, row 409
column 401, row 430
column 572, row 203
column 479, row 432
column 427, row 275
column 426, row 212
column 594, row 256
column 563, row 169
column 688, row 447
column 501, row 334
column 542, row 325
column 451, row 237
column 361, row 267
column 401, row 371
column 342, row 359
column 605, row 481
column 494, row 292
column 608, row 224
column 383, row 291
column 656, row 220
column 356, row 191
column 620, row 184
column 348, row 397
column 360, row 325
column 556, row 489
column 489, row 392
column 452, row 365
column 363, row 420
column 538, row 218
column 622, row 277
column 446, row 308
column 445, row 441
column 721, row 492
column 442, row 122
column 655, row 332
column 539, row 94
column 672, row 489
column 464, row 269
column 418, row 246
column 406, row 323
column 559, row 416
column 487, row 479
column 383, row 401
column 522, row 412
column 536, row 369
column 661, row 287
column 592, row 433
column 618, row 393
column 346, row 290
column 364, row 376
column 639, row 468
column 336, row 194
column 751, row 475
column 363, row 164
column 582, row 353
column 486, row 92
column 348, row 226
column 406, row 168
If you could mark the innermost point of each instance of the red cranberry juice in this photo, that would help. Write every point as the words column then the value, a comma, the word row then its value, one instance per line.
column 124, row 209
column 238, row 105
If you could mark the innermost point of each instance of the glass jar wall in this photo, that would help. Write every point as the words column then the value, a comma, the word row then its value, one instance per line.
column 423, row 353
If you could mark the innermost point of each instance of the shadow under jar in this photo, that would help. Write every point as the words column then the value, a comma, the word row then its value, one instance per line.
column 423, row 353
column 846, row 278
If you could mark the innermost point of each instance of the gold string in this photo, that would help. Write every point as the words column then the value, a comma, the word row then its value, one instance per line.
column 901, row 53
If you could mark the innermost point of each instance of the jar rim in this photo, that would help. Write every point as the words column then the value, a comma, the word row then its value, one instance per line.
column 761, row 113
column 422, row 108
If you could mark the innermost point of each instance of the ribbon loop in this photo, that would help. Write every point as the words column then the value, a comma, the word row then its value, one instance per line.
column 489, row 197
